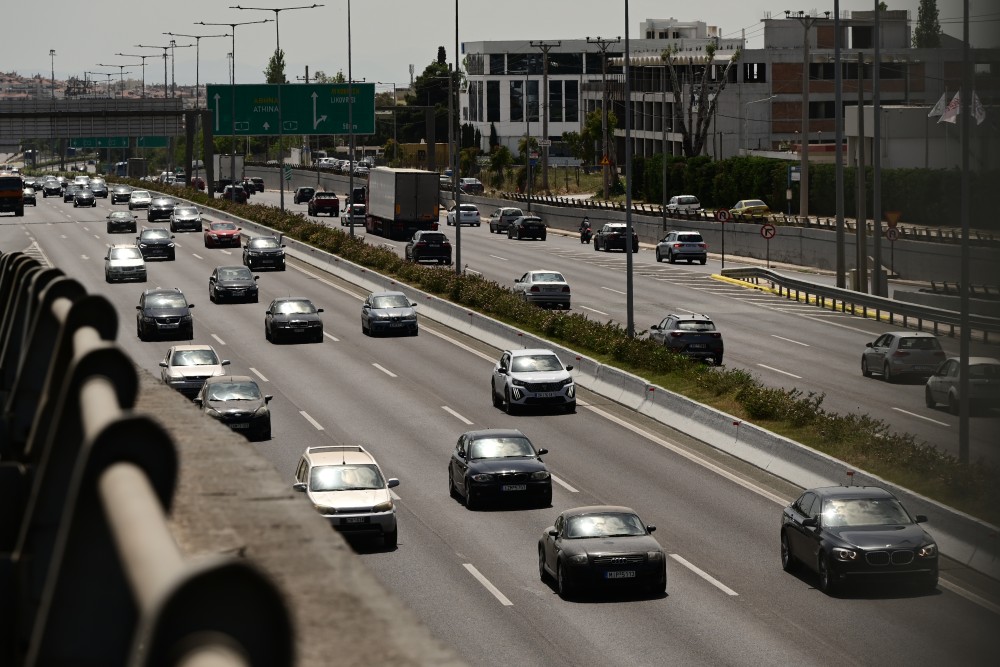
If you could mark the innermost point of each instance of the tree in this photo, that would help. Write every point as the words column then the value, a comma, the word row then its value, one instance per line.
column 693, row 121
column 494, row 137
column 429, row 89
column 442, row 57
column 321, row 77
column 501, row 160
column 927, row 34
column 275, row 72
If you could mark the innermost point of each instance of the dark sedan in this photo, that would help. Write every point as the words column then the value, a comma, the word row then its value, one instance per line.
column 51, row 188
column 498, row 465
column 237, row 402
column 232, row 283
column 856, row 533
column 526, row 227
column 84, row 197
column 156, row 243
column 120, row 194
column 601, row 547
column 388, row 312
column 120, row 221
column 160, row 209
column 28, row 196
column 264, row 252
column 185, row 218
column 69, row 194
column 293, row 317
column 99, row 187
column 428, row 246
column 613, row 236
column 163, row 312
column 303, row 194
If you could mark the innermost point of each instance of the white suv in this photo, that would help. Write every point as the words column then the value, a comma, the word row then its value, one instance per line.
column 467, row 215
column 346, row 486
column 683, row 203
column 532, row 377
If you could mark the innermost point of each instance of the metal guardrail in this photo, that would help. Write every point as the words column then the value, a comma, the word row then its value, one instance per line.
column 867, row 305
column 89, row 572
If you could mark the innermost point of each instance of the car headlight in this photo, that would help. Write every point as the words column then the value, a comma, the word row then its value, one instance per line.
column 176, row 379
column 383, row 507
column 186, row 318
column 325, row 509
column 540, row 474
column 927, row 551
column 518, row 383
column 654, row 556
column 482, row 477
column 566, row 382
column 261, row 411
column 846, row 555
column 170, row 245
column 212, row 412
column 578, row 559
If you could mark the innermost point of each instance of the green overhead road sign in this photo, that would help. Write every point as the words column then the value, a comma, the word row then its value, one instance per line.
column 151, row 142
column 99, row 142
column 305, row 108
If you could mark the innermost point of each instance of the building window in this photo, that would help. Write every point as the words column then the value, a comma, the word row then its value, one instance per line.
column 475, row 101
column 862, row 37
column 498, row 64
column 565, row 63
column 572, row 102
column 754, row 73
column 533, row 101
column 479, row 100
column 556, row 101
column 493, row 101
column 474, row 63
column 517, row 101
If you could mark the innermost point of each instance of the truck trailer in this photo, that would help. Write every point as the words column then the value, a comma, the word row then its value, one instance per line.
column 401, row 202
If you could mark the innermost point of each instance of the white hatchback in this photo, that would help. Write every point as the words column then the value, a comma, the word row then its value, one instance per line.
column 468, row 214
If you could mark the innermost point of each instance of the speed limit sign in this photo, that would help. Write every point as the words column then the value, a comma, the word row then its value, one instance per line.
column 723, row 215
column 768, row 231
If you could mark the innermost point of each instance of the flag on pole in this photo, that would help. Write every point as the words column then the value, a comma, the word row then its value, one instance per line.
column 938, row 108
column 977, row 109
column 950, row 114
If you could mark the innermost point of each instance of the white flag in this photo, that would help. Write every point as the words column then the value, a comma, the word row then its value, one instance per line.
column 977, row 109
column 950, row 114
column 938, row 108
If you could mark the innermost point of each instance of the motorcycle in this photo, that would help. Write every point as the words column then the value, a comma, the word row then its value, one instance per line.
column 585, row 233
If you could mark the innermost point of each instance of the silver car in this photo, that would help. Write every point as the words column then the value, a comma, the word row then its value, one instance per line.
column 124, row 262
column 984, row 384
column 139, row 199
column 677, row 245
column 544, row 288
column 901, row 353
column 388, row 312
column 186, row 367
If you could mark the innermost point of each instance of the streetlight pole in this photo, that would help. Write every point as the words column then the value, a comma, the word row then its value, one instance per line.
column 629, row 297
column 350, row 126
column 603, row 45
column 545, row 47
column 839, row 149
column 143, row 65
column 457, row 131
column 232, row 96
column 197, row 60
column 121, row 77
column 807, row 23
column 166, row 88
column 52, row 57
column 878, row 288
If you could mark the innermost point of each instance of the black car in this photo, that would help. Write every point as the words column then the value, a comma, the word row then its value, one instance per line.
column 293, row 317
column 690, row 334
column 526, row 227
column 99, row 187
column 84, row 197
column 184, row 217
column 498, row 465
column 428, row 246
column 612, row 236
column 28, row 196
column 856, row 533
column 236, row 193
column 69, row 194
column 163, row 312
column 237, row 402
column 121, row 221
column 264, row 252
column 258, row 183
column 303, row 195
column 120, row 194
column 155, row 243
column 220, row 184
column 232, row 283
column 160, row 209
column 51, row 187
column 601, row 547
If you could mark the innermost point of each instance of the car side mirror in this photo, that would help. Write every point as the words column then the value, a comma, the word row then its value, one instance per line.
column 190, row 305
column 392, row 482
column 107, row 257
column 810, row 522
column 225, row 362
column 319, row 310
column 196, row 400
column 542, row 451
column 569, row 368
column 651, row 528
column 138, row 307
column 163, row 364
column 920, row 518
column 654, row 327
column 267, row 398
column 517, row 280
column 868, row 344
column 552, row 532
column 299, row 486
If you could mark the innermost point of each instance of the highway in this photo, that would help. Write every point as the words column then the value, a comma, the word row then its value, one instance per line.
column 472, row 576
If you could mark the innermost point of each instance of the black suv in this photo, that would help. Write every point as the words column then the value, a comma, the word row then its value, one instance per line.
column 163, row 312
column 612, row 236
column 303, row 195
column 160, row 209
column 691, row 335
column 264, row 252
column 155, row 242
column 426, row 245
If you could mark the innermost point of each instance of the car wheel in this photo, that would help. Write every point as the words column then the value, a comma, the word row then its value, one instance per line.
column 452, row 491
column 267, row 334
column 318, row 338
column 703, row 260
column 864, row 368
column 887, row 373
column 563, row 582
column 546, row 500
column 172, row 257
column 472, row 502
column 929, row 398
column 787, row 560
column 107, row 277
column 953, row 404
column 211, row 295
column 659, row 257
column 139, row 332
column 542, row 574
column 506, row 402
column 670, row 258
column 827, row 580
column 365, row 329
column 542, row 237
column 493, row 396
column 390, row 539
column 718, row 360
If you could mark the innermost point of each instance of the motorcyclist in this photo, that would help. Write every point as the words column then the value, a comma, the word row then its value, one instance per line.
column 585, row 231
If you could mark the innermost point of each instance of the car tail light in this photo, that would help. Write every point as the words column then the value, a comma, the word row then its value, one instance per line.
column 445, row 244
column 565, row 289
column 678, row 245
column 676, row 334
column 420, row 244
column 703, row 245
column 716, row 334
column 534, row 288
column 900, row 353
column 939, row 353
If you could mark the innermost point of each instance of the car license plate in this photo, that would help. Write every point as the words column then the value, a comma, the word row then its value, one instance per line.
column 696, row 346
column 546, row 394
column 299, row 330
column 239, row 426
column 395, row 324
column 169, row 326
column 514, row 487
column 620, row 574
column 551, row 289
column 356, row 519
column 238, row 292
column 434, row 245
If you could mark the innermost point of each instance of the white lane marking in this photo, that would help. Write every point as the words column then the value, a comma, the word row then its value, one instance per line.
column 84, row 257
column 96, row 236
column 488, row 585
column 221, row 342
column 331, row 337
column 385, row 370
column 613, row 290
column 750, row 486
column 311, row 420
column 455, row 414
column 196, row 255
column 837, row 324
column 914, row 414
column 564, row 485
column 778, row 370
column 704, row 575
column 594, row 310
column 394, row 495
column 227, row 252
column 328, row 283
column 970, row 596
column 258, row 374
column 481, row 355
column 789, row 340
column 502, row 259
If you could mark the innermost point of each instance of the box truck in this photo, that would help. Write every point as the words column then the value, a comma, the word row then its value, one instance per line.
column 401, row 202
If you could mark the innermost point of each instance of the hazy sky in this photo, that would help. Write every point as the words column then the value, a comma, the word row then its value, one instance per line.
column 387, row 35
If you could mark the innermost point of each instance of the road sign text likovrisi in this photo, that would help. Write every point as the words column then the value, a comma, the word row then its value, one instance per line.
column 309, row 109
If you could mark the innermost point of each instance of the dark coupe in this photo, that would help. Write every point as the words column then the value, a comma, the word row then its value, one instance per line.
column 121, row 193
column 293, row 317
column 84, row 197
column 603, row 547
column 160, row 208
column 498, row 465
column 526, row 227
column 237, row 402
column 232, row 283
column 846, row 533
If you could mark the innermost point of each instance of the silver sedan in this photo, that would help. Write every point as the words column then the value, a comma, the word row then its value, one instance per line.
column 544, row 288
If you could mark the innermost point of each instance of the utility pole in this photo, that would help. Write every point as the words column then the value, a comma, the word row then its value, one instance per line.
column 862, row 223
column 545, row 47
column 878, row 288
column 807, row 23
column 603, row 45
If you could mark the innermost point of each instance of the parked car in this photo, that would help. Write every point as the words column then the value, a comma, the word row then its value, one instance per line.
column 984, row 384
column 544, row 288
column 428, row 246
column 347, row 487
column 184, row 217
column 498, row 465
column 898, row 354
column 186, row 367
column 682, row 245
column 154, row 242
column 120, row 221
column 237, row 402
column 502, row 217
column 222, row 234
column 690, row 334
column 163, row 312
column 293, row 317
column 601, row 547
column 124, row 262
column 612, row 237
column 683, row 203
column 467, row 215
column 326, row 203
column 525, row 227
column 83, row 196
column 264, row 252
column 303, row 195
column 532, row 378
column 750, row 207
column 388, row 312
column 28, row 197
column 139, row 199
column 232, row 283
column 160, row 208
column 856, row 533
column 356, row 214
column 121, row 193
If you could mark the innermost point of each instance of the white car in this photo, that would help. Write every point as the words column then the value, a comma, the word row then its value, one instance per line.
column 124, row 262
column 532, row 378
column 186, row 367
column 355, row 216
column 468, row 214
column 139, row 199
column 683, row 203
column 544, row 288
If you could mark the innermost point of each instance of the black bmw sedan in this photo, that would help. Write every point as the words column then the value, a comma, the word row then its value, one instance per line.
column 264, row 252
column 232, row 283
column 498, row 465
column 856, row 533
column 293, row 317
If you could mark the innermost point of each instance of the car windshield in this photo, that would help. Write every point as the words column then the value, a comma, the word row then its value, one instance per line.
column 864, row 512
column 234, row 391
column 166, row 301
column 754, row 202
column 391, row 301
column 140, row 194
column 120, row 215
column 548, row 277
column 223, row 226
column 185, row 211
column 469, row 208
column 264, row 243
column 610, row 524
column 293, row 307
column 235, row 273
column 921, row 343
column 512, row 212
column 535, row 363
column 695, row 325
column 345, row 478
column 148, row 234
column 194, row 358
column 500, row 448
column 125, row 253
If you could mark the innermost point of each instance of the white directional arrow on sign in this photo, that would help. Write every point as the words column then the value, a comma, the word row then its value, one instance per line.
column 316, row 121
column 267, row 126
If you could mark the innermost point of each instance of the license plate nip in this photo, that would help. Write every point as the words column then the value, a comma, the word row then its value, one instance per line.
column 514, row 487
column 620, row 574
column 356, row 519
column 239, row 426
